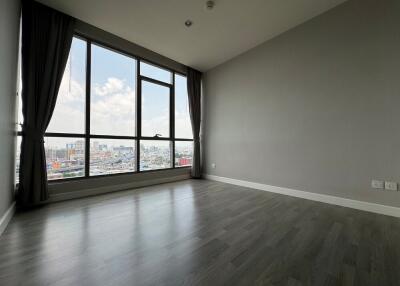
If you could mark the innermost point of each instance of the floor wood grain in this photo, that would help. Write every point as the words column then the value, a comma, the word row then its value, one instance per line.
column 198, row 232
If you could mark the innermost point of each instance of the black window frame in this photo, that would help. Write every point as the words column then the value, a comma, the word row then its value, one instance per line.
column 87, row 136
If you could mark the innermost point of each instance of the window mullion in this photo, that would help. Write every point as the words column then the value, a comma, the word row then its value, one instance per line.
column 87, row 120
column 138, row 114
column 172, row 119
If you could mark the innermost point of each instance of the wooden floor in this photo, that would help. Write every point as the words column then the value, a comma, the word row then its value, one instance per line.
column 199, row 232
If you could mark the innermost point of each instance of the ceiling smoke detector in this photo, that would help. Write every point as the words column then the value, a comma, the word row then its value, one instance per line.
column 210, row 4
column 188, row 23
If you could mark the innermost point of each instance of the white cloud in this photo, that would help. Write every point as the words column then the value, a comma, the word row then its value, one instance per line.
column 113, row 85
column 113, row 108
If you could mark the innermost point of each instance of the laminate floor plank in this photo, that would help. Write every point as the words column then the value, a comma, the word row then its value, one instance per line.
column 199, row 232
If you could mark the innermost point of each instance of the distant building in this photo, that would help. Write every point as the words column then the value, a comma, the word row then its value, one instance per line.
column 103, row 147
column 95, row 146
column 123, row 150
column 184, row 161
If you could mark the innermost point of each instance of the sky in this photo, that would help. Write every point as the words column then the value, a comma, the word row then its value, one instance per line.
column 113, row 96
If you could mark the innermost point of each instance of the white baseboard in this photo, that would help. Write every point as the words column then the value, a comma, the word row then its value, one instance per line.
column 115, row 188
column 359, row 205
column 5, row 219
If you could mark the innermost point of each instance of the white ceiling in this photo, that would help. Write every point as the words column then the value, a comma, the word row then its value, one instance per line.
column 231, row 28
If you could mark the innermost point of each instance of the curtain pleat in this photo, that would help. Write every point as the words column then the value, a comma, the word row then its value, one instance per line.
column 46, row 42
column 194, row 94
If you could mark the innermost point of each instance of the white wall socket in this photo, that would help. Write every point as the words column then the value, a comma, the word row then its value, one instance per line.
column 376, row 184
column 391, row 186
column 213, row 165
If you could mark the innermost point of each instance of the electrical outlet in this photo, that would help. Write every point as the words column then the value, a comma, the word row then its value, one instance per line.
column 391, row 186
column 213, row 165
column 376, row 184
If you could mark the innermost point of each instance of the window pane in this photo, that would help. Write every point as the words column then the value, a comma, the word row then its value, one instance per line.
column 69, row 113
column 155, row 155
column 110, row 156
column 154, row 72
column 17, row 154
column 183, row 153
column 112, row 105
column 155, row 110
column 65, row 157
column 20, row 117
column 183, row 126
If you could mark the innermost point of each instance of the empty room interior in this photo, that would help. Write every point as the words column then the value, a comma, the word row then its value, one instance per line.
column 200, row 142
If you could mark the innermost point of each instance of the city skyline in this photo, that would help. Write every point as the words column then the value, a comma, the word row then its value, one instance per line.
column 65, row 157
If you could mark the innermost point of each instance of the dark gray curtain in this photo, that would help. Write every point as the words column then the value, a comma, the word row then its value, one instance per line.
column 194, row 93
column 46, row 41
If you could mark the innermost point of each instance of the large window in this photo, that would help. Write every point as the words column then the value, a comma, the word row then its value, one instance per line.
column 116, row 114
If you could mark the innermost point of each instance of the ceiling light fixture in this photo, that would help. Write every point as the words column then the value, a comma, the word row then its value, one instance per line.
column 210, row 5
column 188, row 23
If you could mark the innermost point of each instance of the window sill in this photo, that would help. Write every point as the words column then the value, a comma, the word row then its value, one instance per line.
column 77, row 179
column 70, row 189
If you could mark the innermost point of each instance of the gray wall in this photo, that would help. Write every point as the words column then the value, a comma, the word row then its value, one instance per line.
column 315, row 109
column 9, row 32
